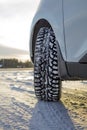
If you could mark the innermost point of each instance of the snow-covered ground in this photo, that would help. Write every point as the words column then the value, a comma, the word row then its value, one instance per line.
column 20, row 110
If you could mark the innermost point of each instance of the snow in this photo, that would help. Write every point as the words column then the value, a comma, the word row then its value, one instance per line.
column 20, row 110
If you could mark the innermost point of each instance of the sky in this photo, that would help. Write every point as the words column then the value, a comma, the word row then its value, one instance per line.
column 15, row 20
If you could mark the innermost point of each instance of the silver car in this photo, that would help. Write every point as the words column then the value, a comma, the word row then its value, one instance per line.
column 58, row 45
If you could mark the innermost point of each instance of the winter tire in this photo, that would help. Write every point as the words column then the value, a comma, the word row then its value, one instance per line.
column 47, row 80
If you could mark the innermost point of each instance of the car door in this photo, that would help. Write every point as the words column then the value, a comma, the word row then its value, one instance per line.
column 75, row 23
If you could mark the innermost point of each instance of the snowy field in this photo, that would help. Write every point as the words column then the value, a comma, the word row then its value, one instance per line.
column 20, row 110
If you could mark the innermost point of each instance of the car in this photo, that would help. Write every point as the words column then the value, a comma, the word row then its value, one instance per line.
column 58, row 46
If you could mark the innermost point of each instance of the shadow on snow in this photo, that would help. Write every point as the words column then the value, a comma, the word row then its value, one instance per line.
column 44, row 116
column 50, row 116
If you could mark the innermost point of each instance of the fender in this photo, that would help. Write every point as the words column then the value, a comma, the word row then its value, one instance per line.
column 49, row 13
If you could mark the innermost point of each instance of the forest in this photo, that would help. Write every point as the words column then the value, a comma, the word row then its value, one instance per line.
column 15, row 63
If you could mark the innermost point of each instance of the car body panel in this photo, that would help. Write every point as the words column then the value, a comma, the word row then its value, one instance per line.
column 68, row 19
column 75, row 23
column 51, row 10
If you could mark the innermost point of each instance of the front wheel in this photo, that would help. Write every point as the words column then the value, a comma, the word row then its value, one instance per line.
column 47, row 82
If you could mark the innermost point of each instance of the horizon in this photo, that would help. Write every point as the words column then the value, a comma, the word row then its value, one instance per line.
column 11, row 53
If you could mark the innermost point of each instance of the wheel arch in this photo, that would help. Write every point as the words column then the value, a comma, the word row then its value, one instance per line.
column 44, row 23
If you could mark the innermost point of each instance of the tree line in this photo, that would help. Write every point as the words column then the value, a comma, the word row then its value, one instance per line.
column 15, row 63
